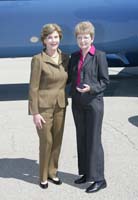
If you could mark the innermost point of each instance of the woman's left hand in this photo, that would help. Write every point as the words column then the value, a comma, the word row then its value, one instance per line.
column 83, row 90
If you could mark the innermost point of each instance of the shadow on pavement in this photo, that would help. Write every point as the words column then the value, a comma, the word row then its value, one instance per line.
column 27, row 170
column 124, row 84
column 11, row 92
column 19, row 168
column 69, row 178
column 121, row 85
column 133, row 120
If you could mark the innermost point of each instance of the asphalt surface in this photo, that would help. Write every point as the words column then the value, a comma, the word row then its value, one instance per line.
column 19, row 141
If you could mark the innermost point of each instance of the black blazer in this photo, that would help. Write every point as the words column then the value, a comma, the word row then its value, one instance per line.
column 94, row 73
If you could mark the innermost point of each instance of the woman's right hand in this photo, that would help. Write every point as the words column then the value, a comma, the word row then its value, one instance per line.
column 38, row 120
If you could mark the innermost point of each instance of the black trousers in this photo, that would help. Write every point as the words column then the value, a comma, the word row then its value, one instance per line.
column 88, row 121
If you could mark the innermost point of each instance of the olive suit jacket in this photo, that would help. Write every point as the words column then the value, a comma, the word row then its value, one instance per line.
column 47, row 82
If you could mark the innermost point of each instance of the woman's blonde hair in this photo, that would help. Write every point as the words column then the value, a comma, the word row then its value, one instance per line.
column 50, row 28
column 85, row 27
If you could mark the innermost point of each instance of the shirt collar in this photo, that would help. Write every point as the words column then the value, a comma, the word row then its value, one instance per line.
column 92, row 50
column 47, row 58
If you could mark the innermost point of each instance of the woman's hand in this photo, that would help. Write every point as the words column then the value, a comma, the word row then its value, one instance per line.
column 83, row 90
column 38, row 120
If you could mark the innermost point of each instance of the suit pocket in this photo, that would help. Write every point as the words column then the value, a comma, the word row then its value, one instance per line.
column 46, row 100
column 62, row 99
column 86, row 98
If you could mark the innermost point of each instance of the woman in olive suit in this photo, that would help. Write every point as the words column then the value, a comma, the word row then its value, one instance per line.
column 47, row 101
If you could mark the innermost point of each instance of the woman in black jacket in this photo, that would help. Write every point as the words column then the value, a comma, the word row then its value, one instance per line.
column 88, row 74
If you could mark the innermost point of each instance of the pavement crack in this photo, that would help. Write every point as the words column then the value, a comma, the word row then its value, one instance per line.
column 124, row 135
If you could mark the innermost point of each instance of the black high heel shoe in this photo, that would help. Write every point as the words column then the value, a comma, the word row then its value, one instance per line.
column 57, row 182
column 43, row 186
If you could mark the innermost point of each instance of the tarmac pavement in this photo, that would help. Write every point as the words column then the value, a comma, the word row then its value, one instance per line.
column 19, row 141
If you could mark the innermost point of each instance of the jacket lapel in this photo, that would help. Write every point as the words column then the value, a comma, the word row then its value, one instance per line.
column 47, row 59
column 87, row 60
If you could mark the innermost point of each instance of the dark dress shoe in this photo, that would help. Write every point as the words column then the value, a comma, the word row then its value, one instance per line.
column 96, row 186
column 57, row 182
column 43, row 186
column 80, row 180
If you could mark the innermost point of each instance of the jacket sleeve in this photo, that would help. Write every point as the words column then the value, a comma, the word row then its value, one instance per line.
column 34, row 85
column 102, row 75
column 69, row 71
column 68, row 85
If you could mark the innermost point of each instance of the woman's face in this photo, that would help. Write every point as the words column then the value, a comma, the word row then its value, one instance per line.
column 52, row 41
column 84, row 41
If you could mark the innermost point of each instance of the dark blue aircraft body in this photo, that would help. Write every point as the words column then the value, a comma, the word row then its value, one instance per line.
column 116, row 24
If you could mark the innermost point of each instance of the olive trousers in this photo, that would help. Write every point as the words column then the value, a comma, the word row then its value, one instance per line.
column 50, row 140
